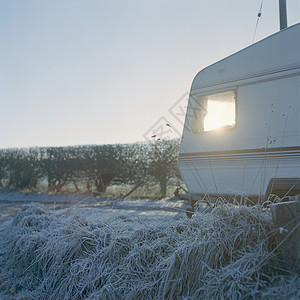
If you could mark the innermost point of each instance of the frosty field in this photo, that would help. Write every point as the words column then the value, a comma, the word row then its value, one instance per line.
column 121, row 249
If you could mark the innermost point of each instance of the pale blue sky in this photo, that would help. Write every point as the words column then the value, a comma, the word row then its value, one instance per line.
column 94, row 72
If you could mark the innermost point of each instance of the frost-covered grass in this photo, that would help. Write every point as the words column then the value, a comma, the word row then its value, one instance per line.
column 225, row 254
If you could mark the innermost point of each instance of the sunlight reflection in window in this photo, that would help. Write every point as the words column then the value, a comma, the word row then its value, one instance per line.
column 220, row 111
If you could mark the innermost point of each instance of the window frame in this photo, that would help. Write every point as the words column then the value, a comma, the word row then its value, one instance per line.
column 197, row 126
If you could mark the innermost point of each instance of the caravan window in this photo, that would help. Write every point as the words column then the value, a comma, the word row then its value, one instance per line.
column 214, row 111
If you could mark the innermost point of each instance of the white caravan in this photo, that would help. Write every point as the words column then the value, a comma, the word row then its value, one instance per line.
column 242, row 128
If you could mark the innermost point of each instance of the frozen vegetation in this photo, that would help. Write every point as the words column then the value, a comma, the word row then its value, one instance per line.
column 228, row 253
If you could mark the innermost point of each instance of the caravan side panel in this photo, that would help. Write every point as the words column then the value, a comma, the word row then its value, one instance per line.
column 265, row 141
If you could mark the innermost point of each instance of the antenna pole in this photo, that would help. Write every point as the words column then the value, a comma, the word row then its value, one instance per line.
column 282, row 14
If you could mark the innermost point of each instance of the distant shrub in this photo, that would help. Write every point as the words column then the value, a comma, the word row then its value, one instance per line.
column 21, row 167
column 90, row 168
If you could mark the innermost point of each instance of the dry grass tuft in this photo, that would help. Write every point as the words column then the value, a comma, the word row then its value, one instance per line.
column 225, row 254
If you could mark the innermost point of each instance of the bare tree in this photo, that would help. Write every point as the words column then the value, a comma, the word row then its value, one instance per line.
column 162, row 162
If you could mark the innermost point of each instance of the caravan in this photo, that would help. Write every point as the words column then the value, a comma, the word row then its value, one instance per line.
column 242, row 127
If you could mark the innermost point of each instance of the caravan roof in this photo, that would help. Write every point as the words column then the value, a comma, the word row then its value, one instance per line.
column 280, row 51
